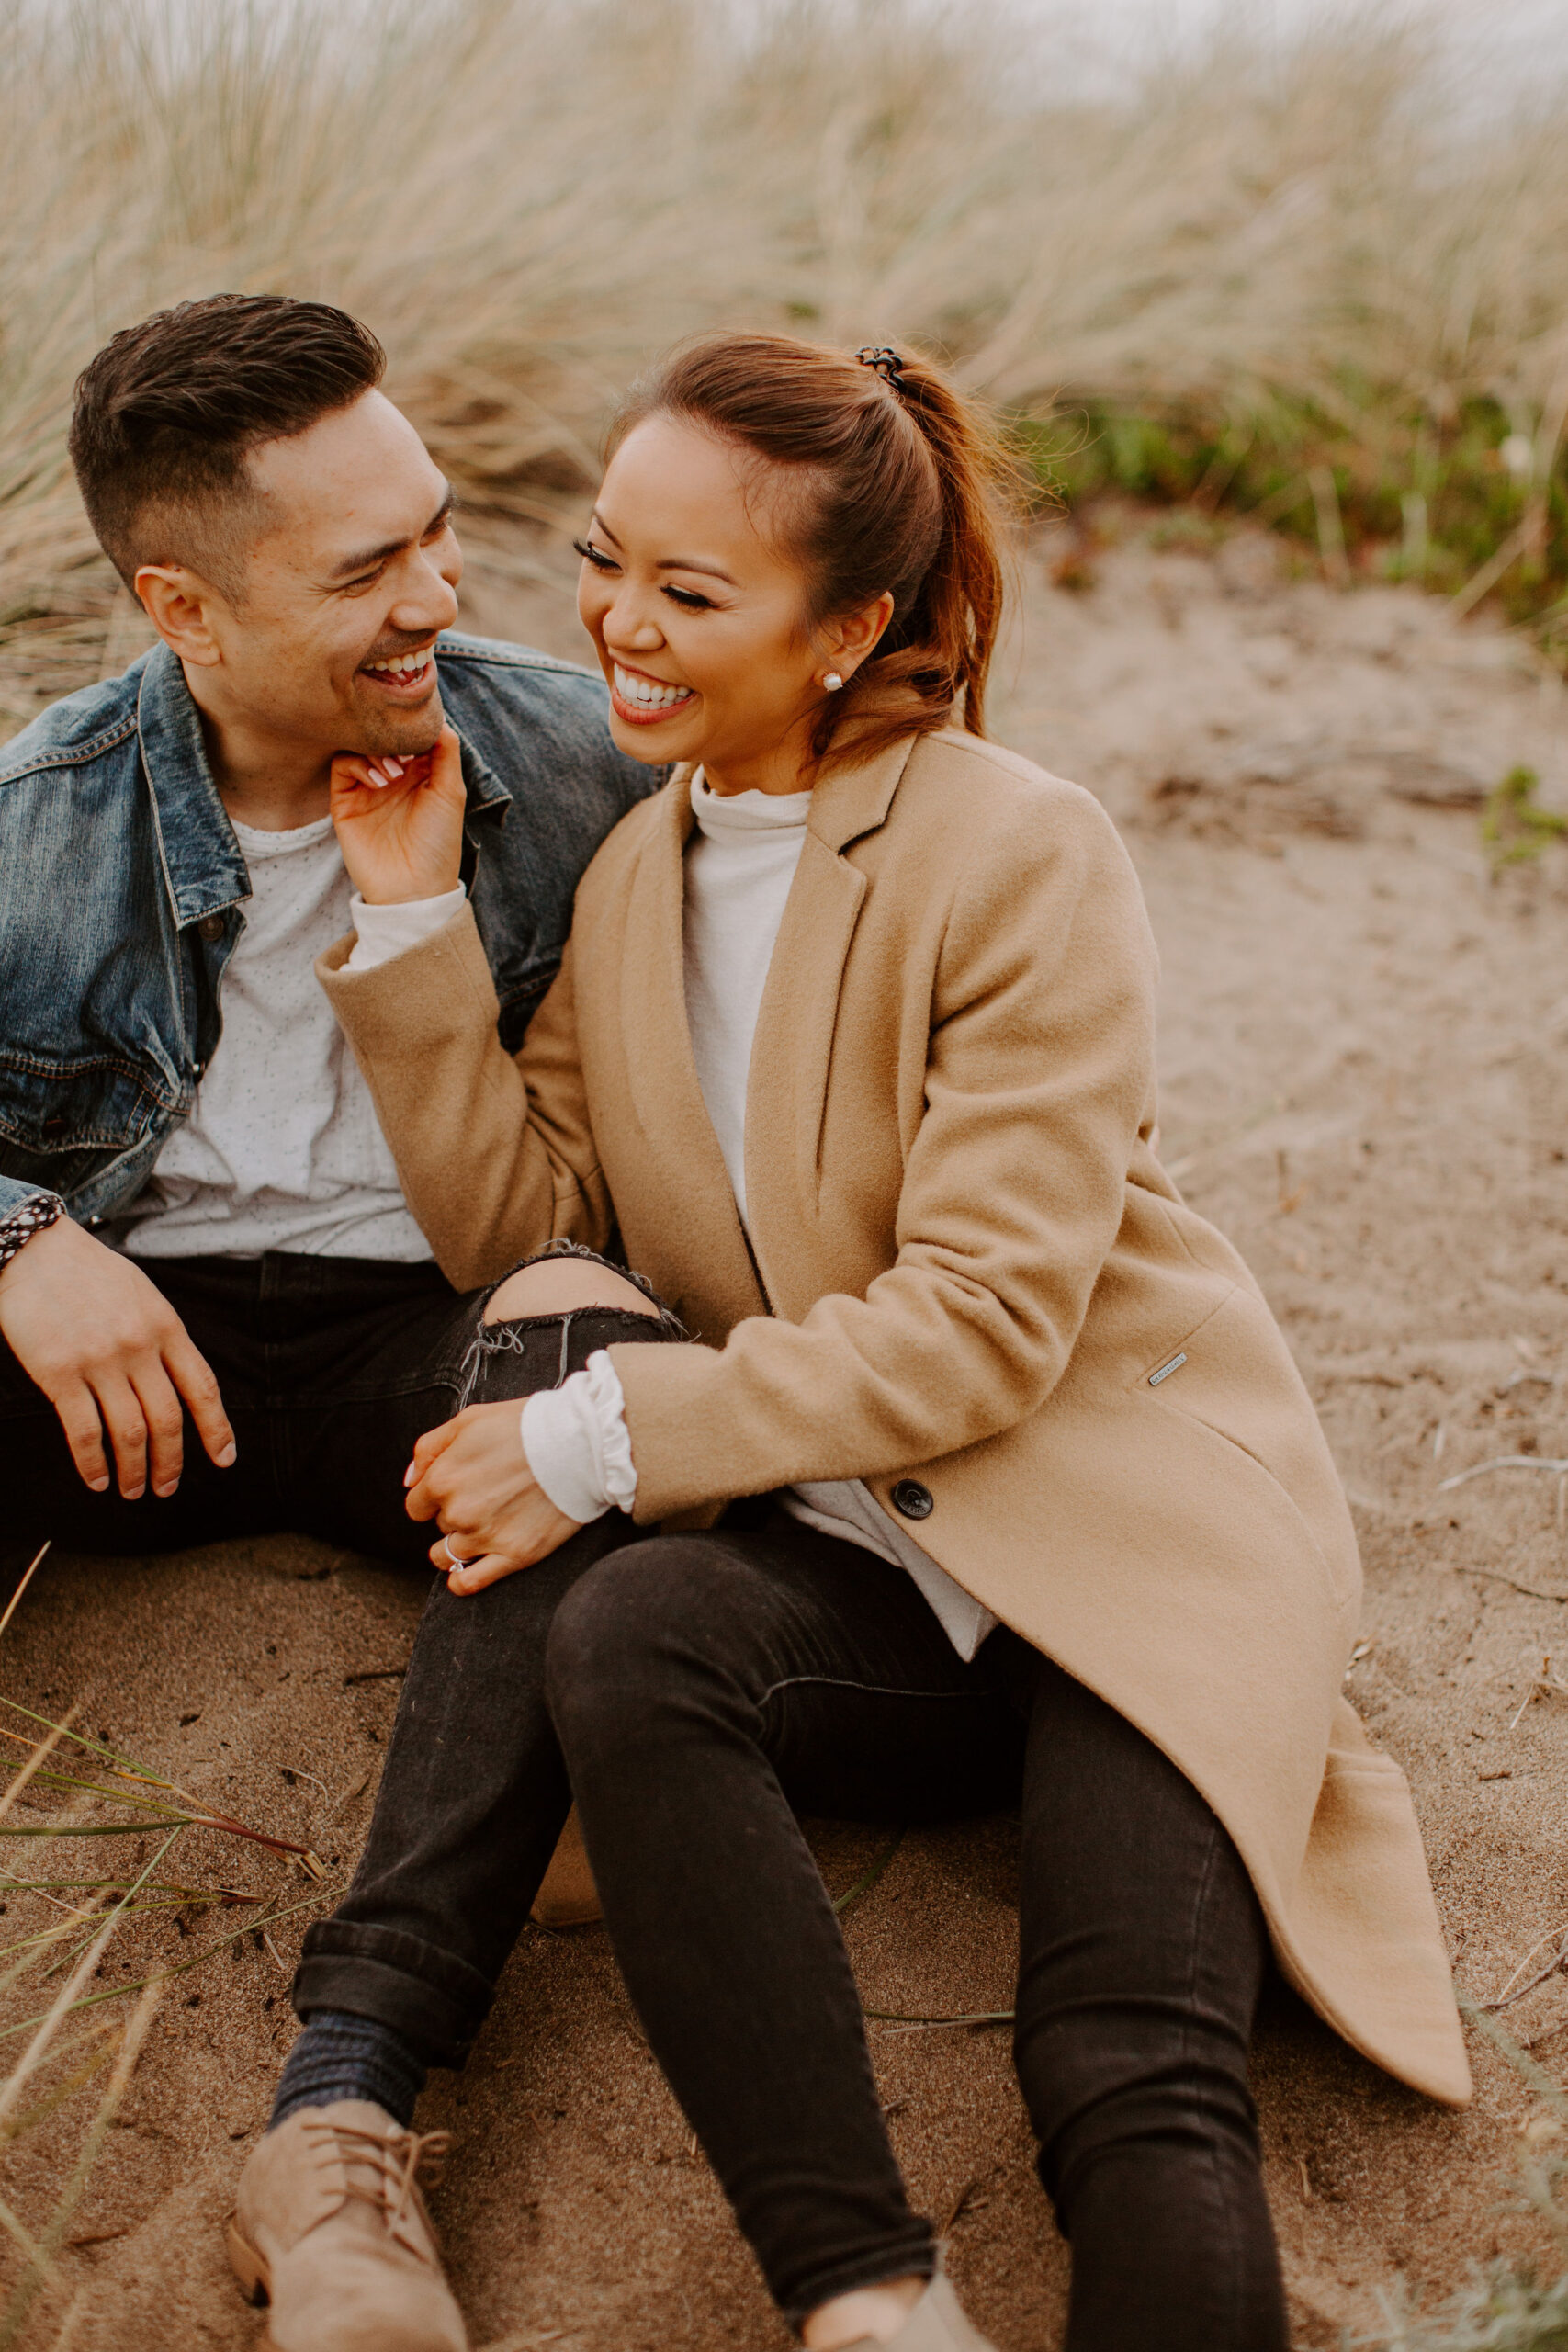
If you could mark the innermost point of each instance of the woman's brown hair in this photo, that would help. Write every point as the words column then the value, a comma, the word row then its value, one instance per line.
column 900, row 482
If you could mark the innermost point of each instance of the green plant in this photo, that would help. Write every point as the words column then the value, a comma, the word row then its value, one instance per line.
column 1515, row 827
column 1507, row 2307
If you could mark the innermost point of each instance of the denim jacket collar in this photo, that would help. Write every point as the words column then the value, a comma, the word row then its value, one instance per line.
column 203, row 867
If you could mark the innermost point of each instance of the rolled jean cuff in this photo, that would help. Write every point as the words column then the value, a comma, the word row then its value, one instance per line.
column 435, row 2001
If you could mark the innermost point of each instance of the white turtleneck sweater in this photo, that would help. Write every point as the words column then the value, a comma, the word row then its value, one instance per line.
column 740, row 862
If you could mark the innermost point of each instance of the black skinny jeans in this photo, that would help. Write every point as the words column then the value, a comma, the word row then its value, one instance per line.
column 330, row 1369
column 695, row 1691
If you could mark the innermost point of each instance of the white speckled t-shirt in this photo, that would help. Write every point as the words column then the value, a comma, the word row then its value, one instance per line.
column 283, row 1149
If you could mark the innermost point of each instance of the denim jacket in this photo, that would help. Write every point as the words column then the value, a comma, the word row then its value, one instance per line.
column 123, row 890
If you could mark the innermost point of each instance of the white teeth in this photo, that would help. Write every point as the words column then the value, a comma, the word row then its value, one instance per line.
column 402, row 666
column 648, row 690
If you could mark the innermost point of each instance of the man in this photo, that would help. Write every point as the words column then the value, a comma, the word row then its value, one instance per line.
column 217, row 1314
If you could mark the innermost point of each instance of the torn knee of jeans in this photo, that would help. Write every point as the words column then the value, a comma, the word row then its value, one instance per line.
column 591, row 1256
column 512, row 1336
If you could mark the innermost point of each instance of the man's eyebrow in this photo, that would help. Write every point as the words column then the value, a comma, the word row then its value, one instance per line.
column 367, row 559
column 671, row 563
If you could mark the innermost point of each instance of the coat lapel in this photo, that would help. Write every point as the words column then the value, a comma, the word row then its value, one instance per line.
column 792, row 1050
column 662, row 1074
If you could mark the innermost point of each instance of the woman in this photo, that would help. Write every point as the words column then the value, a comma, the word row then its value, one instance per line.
column 854, row 1040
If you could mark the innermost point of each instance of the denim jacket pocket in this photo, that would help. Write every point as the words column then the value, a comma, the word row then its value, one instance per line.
column 62, row 1122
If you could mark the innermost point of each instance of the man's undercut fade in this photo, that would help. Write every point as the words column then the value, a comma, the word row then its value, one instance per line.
column 168, row 412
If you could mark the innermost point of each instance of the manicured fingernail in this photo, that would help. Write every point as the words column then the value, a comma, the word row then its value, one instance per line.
column 391, row 767
column 410, row 1474
column 379, row 780
column 226, row 1460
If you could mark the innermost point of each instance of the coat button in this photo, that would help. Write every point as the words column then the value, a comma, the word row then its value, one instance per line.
column 913, row 1499
column 211, row 928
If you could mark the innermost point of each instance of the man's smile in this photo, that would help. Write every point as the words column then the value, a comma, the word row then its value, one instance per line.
column 405, row 677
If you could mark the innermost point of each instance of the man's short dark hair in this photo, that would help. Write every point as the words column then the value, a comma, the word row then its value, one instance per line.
column 168, row 412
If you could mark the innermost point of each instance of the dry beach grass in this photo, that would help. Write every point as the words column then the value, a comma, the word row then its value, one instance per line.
column 1354, row 269
column 1327, row 278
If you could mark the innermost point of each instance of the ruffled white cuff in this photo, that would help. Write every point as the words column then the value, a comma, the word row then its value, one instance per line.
column 577, row 1443
column 386, row 932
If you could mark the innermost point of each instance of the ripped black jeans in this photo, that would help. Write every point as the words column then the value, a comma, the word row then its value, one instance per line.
column 330, row 1368
column 695, row 1691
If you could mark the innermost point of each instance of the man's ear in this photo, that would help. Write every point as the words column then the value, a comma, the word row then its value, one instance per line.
column 179, row 602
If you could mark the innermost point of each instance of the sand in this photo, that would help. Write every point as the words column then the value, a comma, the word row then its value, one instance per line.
column 1365, row 1068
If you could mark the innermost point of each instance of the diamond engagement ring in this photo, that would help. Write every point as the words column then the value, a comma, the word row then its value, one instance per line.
column 452, row 1557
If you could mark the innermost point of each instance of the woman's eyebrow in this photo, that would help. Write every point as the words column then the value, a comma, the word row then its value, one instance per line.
column 671, row 563
column 691, row 563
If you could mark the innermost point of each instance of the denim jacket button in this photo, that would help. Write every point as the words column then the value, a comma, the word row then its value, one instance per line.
column 913, row 1499
column 211, row 928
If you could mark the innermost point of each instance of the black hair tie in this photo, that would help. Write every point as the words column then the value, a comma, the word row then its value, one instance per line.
column 885, row 362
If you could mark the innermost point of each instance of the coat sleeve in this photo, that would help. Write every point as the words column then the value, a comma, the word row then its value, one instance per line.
column 496, row 1155
column 1039, row 1070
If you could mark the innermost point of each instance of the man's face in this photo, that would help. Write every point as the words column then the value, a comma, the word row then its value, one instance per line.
column 330, row 647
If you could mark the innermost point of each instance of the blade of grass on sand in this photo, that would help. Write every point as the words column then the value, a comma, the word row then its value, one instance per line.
column 65, row 2001
column 102, row 2032
column 915, row 2024
column 14, row 2317
column 844, row 1903
column 28, row 1575
column 198, row 1813
column 180, row 1968
column 17, row 2231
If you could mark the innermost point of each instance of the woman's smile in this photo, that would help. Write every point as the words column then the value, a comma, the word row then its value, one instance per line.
column 642, row 700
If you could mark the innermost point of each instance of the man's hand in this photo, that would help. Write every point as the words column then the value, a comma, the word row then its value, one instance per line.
column 399, row 822
column 112, row 1356
column 472, row 1476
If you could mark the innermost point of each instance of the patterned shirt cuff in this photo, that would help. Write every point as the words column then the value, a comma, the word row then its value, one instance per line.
column 36, row 1215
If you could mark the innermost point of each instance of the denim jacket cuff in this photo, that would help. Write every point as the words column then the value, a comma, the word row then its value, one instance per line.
column 15, row 1195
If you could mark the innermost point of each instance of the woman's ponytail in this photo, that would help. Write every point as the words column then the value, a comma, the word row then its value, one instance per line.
column 958, row 612
column 905, row 484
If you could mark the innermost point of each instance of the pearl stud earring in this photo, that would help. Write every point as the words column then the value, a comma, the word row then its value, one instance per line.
column 833, row 682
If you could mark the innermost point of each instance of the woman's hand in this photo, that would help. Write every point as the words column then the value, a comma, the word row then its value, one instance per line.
column 399, row 822
column 472, row 1477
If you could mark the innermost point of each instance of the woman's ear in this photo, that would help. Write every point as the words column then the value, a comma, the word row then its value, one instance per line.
column 853, row 638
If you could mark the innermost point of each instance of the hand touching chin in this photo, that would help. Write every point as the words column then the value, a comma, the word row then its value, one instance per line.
column 400, row 821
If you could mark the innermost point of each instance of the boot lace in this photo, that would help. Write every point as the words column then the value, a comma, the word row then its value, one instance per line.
column 401, row 2161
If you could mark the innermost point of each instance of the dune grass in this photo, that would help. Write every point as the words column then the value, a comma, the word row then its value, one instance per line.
column 80, row 2031
column 1322, row 283
column 1504, row 2307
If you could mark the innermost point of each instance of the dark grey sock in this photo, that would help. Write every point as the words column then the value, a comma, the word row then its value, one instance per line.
column 339, row 2056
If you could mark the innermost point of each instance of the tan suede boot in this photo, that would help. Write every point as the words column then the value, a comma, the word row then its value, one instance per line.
column 936, row 2324
column 330, row 2229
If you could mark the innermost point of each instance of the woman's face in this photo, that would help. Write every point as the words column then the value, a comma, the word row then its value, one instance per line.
column 699, row 615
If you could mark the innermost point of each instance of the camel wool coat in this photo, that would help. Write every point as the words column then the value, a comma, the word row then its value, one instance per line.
column 967, row 1269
